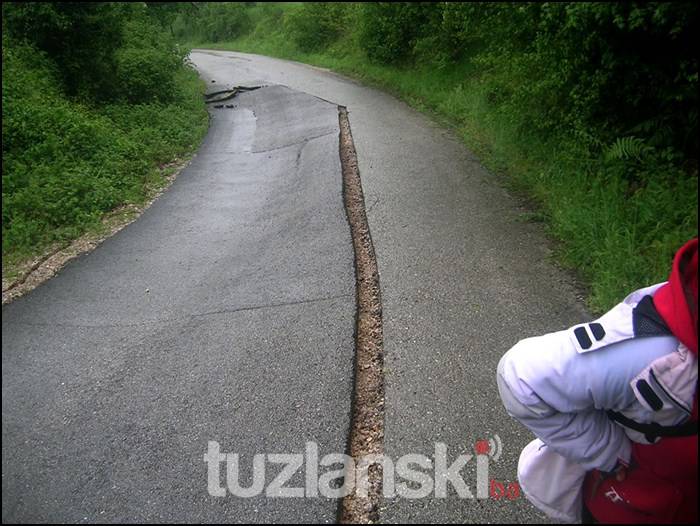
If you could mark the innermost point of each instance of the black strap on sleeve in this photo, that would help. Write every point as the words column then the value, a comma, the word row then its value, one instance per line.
column 653, row 431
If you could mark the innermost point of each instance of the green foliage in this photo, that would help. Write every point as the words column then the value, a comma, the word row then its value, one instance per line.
column 79, row 37
column 102, row 51
column 145, row 74
column 389, row 30
column 164, row 13
column 625, row 148
column 148, row 61
column 213, row 21
column 316, row 25
column 67, row 158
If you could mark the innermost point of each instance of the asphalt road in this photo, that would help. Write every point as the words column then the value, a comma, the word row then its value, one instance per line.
column 463, row 276
column 225, row 313
column 110, row 393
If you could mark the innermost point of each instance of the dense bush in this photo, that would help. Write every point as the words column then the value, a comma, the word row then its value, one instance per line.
column 145, row 74
column 102, row 51
column 315, row 25
column 598, row 70
column 389, row 31
column 71, row 150
column 79, row 37
column 148, row 61
column 213, row 21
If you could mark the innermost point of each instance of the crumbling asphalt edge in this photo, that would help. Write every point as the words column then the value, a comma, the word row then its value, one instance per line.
column 366, row 440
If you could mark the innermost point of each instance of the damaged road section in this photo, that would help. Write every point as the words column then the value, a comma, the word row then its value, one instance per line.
column 227, row 94
column 224, row 314
column 367, row 432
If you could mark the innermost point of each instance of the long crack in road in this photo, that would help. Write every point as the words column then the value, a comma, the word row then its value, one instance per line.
column 223, row 321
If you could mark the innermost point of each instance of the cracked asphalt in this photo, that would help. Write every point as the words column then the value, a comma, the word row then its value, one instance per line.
column 463, row 277
column 225, row 313
column 110, row 393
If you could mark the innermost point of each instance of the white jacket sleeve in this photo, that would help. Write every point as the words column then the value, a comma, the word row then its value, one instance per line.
column 562, row 394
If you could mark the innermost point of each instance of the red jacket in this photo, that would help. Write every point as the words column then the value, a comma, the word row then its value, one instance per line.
column 662, row 483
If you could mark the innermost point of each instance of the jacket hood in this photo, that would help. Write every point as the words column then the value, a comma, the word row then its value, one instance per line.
column 677, row 300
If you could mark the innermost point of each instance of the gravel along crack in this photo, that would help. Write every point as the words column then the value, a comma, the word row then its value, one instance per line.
column 367, row 426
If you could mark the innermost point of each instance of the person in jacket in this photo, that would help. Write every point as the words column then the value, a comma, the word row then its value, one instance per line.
column 613, row 404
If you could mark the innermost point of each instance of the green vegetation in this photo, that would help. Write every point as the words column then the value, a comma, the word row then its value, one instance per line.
column 589, row 108
column 96, row 97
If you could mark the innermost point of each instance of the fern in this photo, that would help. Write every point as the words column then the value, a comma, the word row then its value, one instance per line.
column 658, row 131
column 627, row 148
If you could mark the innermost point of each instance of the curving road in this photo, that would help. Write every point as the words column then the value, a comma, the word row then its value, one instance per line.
column 227, row 312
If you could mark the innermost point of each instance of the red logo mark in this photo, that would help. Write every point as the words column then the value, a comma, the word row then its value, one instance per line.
column 498, row 490
column 482, row 447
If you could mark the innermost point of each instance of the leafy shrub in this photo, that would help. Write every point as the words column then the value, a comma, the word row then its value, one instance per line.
column 79, row 37
column 145, row 74
column 213, row 21
column 316, row 25
column 147, row 62
column 224, row 20
column 267, row 17
column 69, row 159
column 389, row 30
column 63, row 167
